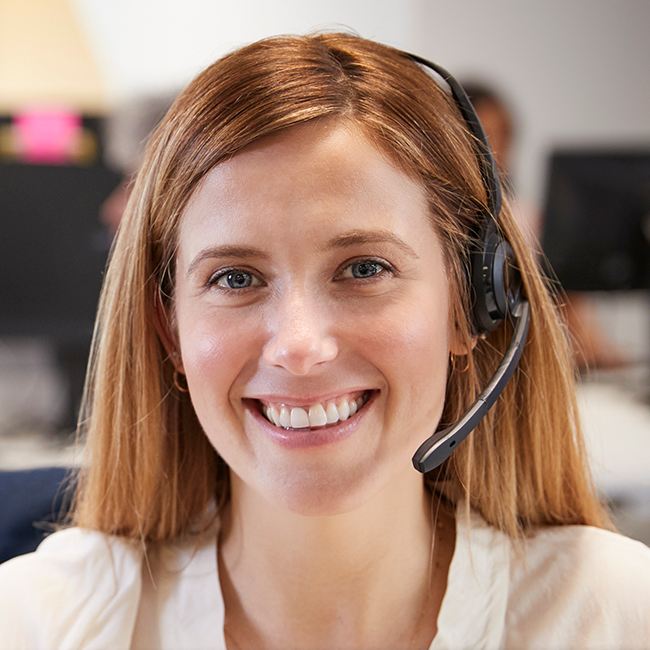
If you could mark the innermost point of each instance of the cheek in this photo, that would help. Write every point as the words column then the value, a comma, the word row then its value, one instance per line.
column 214, row 352
column 205, row 349
column 411, row 347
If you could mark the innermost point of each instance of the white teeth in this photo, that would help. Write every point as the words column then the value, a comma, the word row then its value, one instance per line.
column 299, row 418
column 332, row 413
column 274, row 415
column 316, row 416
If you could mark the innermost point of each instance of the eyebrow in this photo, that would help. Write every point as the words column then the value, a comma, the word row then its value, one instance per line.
column 228, row 250
column 352, row 238
column 356, row 237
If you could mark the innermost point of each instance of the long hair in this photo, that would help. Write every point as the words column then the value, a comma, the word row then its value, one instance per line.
column 151, row 471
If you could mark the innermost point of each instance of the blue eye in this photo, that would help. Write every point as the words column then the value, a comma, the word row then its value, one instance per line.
column 237, row 279
column 363, row 269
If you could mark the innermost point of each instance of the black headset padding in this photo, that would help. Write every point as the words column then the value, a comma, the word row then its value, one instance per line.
column 495, row 280
column 493, row 275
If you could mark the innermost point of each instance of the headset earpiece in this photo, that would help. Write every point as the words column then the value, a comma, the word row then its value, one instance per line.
column 496, row 285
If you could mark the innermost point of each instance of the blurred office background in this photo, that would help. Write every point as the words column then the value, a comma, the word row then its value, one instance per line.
column 574, row 74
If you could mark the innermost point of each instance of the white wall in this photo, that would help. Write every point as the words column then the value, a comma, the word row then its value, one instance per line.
column 576, row 71
column 155, row 44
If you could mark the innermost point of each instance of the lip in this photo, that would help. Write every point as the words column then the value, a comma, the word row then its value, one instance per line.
column 306, row 438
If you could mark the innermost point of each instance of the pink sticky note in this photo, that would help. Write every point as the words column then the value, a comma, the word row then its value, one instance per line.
column 46, row 136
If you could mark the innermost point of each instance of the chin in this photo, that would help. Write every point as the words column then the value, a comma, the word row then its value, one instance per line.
column 325, row 498
column 312, row 491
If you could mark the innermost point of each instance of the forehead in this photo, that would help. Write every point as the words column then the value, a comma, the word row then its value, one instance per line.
column 308, row 179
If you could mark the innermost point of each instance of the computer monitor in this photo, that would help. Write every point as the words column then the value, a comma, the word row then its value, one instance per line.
column 53, row 251
column 596, row 221
column 53, row 247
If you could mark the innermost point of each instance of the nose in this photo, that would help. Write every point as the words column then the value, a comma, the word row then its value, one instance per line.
column 300, row 339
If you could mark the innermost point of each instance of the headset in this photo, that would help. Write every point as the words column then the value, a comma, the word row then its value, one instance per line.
column 495, row 283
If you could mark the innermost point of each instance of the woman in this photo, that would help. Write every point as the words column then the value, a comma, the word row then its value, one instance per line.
column 286, row 317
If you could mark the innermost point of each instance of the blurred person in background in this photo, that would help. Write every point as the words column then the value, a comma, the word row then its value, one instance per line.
column 592, row 347
column 127, row 132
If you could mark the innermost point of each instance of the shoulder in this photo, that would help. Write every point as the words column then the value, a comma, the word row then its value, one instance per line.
column 71, row 592
column 579, row 586
column 585, row 561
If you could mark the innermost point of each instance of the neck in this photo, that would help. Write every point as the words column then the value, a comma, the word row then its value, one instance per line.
column 294, row 581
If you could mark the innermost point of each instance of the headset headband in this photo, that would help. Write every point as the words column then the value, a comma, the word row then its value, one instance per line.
column 489, row 170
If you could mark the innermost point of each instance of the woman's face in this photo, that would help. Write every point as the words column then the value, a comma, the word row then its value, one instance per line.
column 310, row 283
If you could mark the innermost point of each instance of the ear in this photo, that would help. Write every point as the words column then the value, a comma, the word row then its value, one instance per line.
column 459, row 347
column 165, row 330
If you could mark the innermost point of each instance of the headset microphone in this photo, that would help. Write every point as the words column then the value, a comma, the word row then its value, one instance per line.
column 436, row 449
column 496, row 288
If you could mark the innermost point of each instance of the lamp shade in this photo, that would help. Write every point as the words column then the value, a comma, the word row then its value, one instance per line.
column 46, row 59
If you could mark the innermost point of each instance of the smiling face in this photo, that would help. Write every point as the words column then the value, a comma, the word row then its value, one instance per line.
column 312, row 318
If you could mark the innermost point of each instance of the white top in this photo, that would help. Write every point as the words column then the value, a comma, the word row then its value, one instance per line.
column 577, row 587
